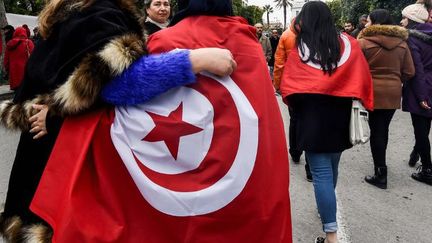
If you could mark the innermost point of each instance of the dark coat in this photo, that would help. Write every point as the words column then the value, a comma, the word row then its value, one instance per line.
column 274, row 41
column 17, row 53
column 151, row 28
column 419, row 88
column 322, row 122
column 390, row 62
column 86, row 49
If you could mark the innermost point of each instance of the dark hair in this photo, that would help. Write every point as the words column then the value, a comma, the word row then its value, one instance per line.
column 316, row 30
column 202, row 7
column 381, row 16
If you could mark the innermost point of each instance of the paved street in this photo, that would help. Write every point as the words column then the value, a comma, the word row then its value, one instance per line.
column 401, row 213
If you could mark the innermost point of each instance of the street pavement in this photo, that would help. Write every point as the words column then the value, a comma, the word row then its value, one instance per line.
column 5, row 92
column 402, row 213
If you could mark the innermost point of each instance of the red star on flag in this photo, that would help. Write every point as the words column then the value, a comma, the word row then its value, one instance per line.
column 169, row 129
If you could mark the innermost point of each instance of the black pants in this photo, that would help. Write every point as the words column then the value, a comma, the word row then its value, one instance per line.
column 293, row 148
column 379, row 122
column 422, row 127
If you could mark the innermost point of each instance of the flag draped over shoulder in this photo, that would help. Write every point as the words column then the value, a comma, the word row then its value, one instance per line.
column 351, row 79
column 202, row 163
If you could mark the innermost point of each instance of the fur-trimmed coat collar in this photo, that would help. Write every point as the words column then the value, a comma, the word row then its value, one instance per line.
column 78, row 90
column 421, row 35
column 387, row 36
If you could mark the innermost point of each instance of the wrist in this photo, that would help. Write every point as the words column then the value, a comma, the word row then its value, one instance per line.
column 196, row 61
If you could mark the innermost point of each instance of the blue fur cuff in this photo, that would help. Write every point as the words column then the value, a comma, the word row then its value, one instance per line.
column 148, row 77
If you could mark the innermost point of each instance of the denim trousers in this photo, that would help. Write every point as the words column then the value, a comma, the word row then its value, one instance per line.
column 324, row 168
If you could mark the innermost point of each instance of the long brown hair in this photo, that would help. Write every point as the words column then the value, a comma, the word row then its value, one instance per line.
column 48, row 16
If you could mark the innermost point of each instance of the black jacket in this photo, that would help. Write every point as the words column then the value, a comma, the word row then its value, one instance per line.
column 151, row 28
column 322, row 122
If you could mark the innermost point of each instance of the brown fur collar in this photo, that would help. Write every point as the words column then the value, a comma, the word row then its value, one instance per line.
column 13, row 231
column 387, row 30
column 81, row 90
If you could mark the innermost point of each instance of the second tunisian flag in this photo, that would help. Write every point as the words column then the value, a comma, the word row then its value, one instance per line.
column 351, row 79
column 200, row 163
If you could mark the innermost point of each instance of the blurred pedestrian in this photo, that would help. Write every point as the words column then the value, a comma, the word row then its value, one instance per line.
column 17, row 53
column 385, row 48
column 8, row 32
column 264, row 41
column 28, row 33
column 286, row 44
column 417, row 92
column 360, row 26
column 36, row 36
column 274, row 41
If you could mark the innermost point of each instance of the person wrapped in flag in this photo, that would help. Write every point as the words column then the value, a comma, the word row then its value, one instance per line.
column 324, row 72
column 86, row 44
column 205, row 162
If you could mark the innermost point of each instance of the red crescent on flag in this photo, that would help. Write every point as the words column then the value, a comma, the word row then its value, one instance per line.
column 222, row 150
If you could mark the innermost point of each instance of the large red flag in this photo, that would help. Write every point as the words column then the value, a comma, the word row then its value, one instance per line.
column 201, row 163
column 351, row 79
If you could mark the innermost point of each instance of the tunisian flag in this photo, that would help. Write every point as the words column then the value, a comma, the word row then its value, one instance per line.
column 351, row 79
column 200, row 163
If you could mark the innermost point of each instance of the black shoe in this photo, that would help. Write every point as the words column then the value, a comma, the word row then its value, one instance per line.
column 296, row 158
column 414, row 157
column 295, row 155
column 423, row 175
column 319, row 239
column 308, row 173
column 379, row 179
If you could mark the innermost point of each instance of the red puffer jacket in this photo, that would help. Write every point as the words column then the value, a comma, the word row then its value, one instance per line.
column 17, row 53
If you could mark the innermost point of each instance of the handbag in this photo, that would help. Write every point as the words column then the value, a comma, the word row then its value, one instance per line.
column 359, row 124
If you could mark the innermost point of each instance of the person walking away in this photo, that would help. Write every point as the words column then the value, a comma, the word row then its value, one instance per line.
column 17, row 53
column 36, row 36
column 316, row 68
column 385, row 48
column 264, row 41
column 417, row 92
column 286, row 43
column 274, row 41
column 158, row 12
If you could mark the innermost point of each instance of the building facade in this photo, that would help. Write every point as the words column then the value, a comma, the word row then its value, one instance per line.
column 297, row 6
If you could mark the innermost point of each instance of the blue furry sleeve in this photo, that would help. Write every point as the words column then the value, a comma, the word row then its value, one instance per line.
column 148, row 77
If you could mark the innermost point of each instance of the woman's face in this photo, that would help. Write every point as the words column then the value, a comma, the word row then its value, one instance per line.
column 404, row 22
column 159, row 11
column 369, row 22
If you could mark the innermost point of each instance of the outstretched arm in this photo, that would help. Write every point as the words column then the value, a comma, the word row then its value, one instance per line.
column 152, row 75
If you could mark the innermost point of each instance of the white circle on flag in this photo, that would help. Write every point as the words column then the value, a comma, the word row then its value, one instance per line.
column 344, row 58
column 197, row 111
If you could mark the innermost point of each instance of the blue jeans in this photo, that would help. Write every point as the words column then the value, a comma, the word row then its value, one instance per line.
column 324, row 168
